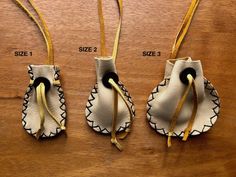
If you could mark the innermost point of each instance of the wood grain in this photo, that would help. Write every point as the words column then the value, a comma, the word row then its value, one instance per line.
column 148, row 25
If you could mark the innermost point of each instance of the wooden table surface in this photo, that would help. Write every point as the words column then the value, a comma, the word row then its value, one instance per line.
column 147, row 25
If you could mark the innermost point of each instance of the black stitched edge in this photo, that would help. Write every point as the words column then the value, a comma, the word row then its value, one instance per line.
column 90, row 104
column 216, row 101
column 26, row 101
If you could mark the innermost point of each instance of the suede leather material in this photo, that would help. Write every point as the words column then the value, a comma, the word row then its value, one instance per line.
column 99, row 109
column 164, row 99
column 55, row 99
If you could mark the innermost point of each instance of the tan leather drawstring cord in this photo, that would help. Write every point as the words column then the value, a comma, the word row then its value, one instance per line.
column 191, row 83
column 115, row 87
column 43, row 29
column 184, row 28
column 180, row 104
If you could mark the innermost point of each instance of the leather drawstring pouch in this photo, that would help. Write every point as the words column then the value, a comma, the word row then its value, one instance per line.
column 109, row 109
column 44, row 109
column 185, row 102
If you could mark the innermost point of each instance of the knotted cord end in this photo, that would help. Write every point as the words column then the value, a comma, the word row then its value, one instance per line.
column 31, row 82
column 117, row 144
column 56, row 82
column 63, row 127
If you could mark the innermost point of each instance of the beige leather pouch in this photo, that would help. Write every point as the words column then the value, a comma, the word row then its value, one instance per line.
column 164, row 98
column 54, row 108
column 44, row 109
column 99, row 108
column 185, row 103
column 109, row 109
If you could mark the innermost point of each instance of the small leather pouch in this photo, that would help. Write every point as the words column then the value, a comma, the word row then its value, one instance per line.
column 109, row 109
column 185, row 102
column 44, row 109
column 164, row 99
column 99, row 108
